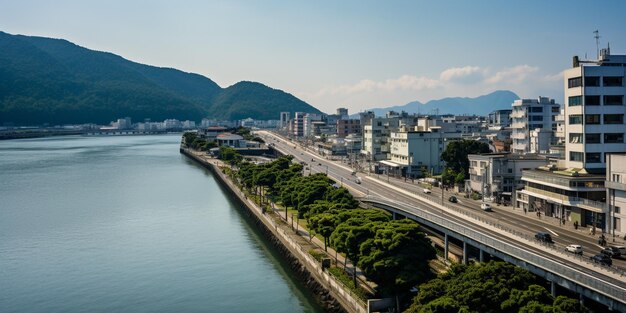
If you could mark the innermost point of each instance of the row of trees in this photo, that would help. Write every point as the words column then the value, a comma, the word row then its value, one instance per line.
column 492, row 287
column 392, row 253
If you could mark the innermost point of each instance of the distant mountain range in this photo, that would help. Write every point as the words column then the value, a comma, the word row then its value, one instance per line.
column 45, row 80
column 483, row 105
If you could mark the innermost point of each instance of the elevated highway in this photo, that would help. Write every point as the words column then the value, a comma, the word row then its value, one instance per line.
column 506, row 236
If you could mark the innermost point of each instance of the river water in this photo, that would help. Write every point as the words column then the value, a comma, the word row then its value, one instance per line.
column 127, row 224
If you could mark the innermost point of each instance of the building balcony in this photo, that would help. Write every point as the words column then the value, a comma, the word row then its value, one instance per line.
column 615, row 185
column 569, row 183
column 591, row 205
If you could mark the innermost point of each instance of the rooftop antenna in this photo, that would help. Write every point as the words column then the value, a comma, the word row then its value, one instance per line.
column 596, row 35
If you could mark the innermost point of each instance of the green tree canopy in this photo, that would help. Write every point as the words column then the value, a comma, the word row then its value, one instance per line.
column 397, row 256
column 456, row 153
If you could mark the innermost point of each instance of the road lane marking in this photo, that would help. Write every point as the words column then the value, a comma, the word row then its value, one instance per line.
column 552, row 232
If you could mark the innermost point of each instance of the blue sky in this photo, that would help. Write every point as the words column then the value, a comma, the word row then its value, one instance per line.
column 356, row 54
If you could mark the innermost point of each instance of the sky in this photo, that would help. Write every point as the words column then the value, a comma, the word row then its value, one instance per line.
column 354, row 54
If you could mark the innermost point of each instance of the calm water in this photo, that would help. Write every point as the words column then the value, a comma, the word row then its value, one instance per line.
column 127, row 224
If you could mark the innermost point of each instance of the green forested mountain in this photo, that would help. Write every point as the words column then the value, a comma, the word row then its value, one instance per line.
column 44, row 80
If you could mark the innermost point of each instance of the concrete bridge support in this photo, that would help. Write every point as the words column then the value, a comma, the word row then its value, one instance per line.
column 464, row 252
column 445, row 247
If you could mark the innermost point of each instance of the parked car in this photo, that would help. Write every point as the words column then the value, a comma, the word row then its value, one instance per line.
column 601, row 259
column 453, row 199
column 485, row 207
column 611, row 252
column 426, row 190
column 544, row 237
column 576, row 249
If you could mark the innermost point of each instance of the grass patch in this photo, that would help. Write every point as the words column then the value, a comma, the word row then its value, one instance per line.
column 347, row 281
column 316, row 254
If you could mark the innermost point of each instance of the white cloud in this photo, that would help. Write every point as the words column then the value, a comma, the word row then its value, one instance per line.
column 462, row 73
column 467, row 81
column 515, row 74
column 404, row 82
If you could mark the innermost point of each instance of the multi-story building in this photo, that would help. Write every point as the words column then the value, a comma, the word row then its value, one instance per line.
column 347, row 127
column 297, row 126
column 411, row 152
column 376, row 138
column 284, row 119
column 499, row 118
column 498, row 175
column 593, row 119
column 343, row 113
column 616, row 193
column 528, row 115
column 594, row 111
column 567, row 194
column 310, row 120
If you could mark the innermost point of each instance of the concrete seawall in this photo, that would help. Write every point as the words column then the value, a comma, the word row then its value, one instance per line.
column 333, row 296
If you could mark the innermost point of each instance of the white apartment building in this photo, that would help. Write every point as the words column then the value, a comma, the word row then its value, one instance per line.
column 411, row 151
column 616, row 193
column 528, row 115
column 297, row 126
column 376, row 138
column 594, row 111
column 498, row 175
column 308, row 120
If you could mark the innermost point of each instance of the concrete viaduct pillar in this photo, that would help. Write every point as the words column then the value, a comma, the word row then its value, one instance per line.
column 445, row 247
column 464, row 252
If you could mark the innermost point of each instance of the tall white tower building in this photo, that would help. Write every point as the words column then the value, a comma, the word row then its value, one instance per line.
column 594, row 111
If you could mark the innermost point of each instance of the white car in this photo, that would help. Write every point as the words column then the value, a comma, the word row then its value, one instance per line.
column 485, row 207
column 576, row 249
column 426, row 190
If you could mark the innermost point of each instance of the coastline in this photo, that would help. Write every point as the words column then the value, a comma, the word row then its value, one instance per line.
column 329, row 293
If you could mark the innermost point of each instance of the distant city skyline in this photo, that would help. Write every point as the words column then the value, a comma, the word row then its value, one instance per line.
column 358, row 55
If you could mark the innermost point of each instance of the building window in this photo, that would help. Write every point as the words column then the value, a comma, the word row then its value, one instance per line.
column 536, row 118
column 595, row 157
column 592, row 81
column 612, row 81
column 575, row 119
column 613, row 118
column 592, row 138
column 536, row 109
column 617, row 210
column 613, row 100
column 574, row 101
column 616, row 178
column 592, row 100
column 574, row 82
column 575, row 138
column 592, row 119
column 556, row 109
column 575, row 156
column 614, row 138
